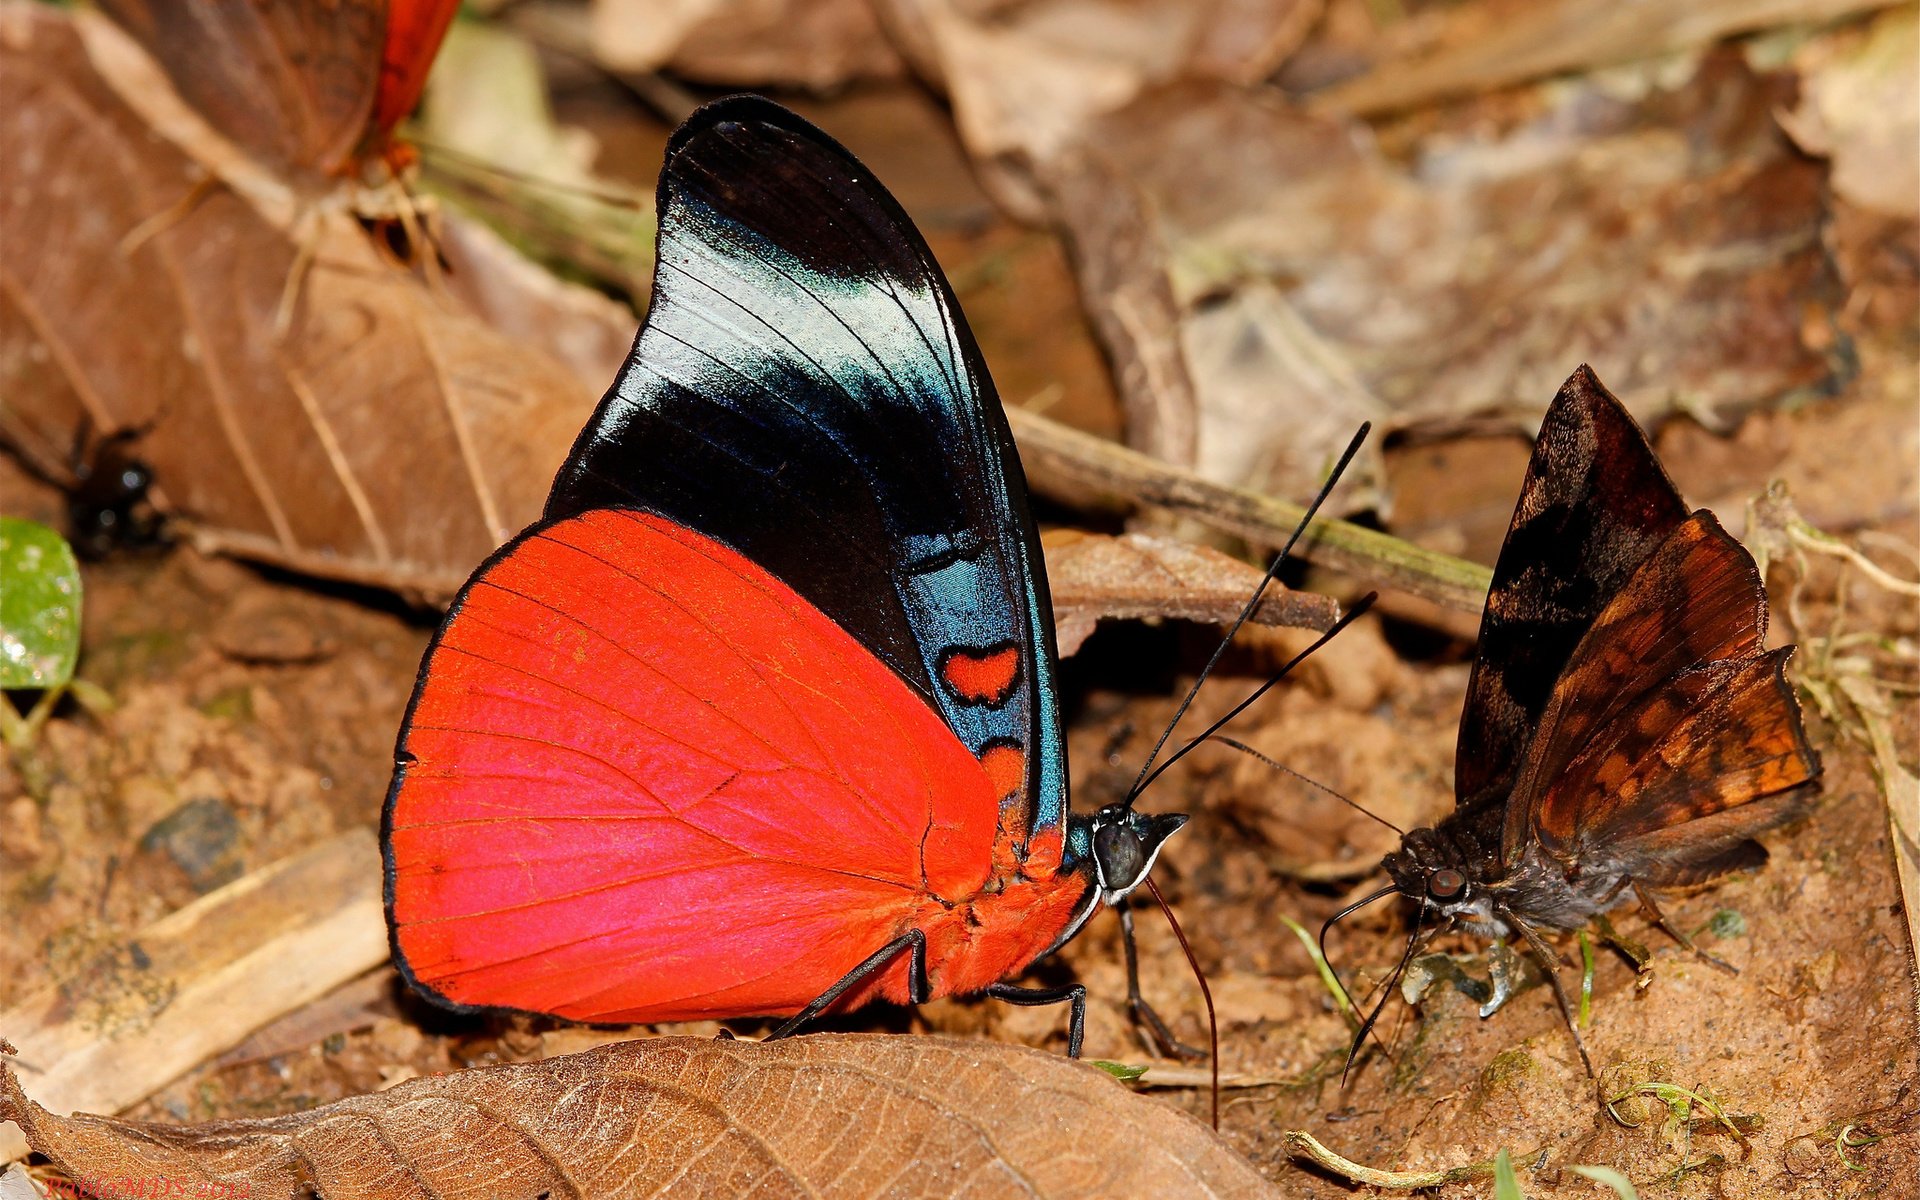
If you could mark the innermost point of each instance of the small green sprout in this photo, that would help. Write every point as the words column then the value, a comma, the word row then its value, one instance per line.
column 1124, row 1072
column 1852, row 1137
column 1327, row 979
column 1728, row 923
column 1506, row 1186
column 39, row 624
column 1586, row 981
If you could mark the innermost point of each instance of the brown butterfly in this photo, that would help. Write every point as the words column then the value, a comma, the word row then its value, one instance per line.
column 1625, row 730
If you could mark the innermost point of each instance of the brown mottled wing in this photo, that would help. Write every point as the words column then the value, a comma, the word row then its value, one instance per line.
column 1667, row 713
column 291, row 81
column 1703, row 850
column 1594, row 504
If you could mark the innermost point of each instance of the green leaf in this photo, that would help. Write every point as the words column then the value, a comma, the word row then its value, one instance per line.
column 1621, row 1185
column 1505, row 1185
column 1728, row 923
column 1125, row 1072
column 39, row 606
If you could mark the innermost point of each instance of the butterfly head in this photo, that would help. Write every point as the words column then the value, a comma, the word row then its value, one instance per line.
column 1438, row 874
column 1118, row 846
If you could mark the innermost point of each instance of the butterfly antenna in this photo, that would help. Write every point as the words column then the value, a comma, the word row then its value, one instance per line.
column 1353, row 613
column 1273, row 569
column 1284, row 769
column 1335, row 919
column 1206, row 993
column 1386, row 994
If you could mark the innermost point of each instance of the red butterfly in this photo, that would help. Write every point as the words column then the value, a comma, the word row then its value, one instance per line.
column 762, row 716
column 303, row 85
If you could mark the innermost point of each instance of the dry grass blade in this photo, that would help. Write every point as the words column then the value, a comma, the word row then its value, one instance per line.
column 821, row 1116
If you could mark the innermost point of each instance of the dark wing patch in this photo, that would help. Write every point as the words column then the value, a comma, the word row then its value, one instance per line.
column 806, row 391
column 1594, row 504
column 1701, row 851
column 1697, row 600
column 1713, row 739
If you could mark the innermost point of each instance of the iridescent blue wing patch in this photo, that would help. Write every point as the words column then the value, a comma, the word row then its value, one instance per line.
column 806, row 390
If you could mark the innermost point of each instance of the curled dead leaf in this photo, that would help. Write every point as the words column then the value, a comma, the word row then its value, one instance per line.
column 1669, row 235
column 826, row 1115
column 1135, row 576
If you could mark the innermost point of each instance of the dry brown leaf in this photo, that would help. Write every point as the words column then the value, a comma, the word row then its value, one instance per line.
column 1136, row 576
column 1496, row 43
column 819, row 1116
column 818, row 44
column 1026, row 78
column 389, row 435
column 1860, row 106
column 1663, row 232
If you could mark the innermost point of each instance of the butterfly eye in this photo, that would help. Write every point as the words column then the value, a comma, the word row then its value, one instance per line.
column 1446, row 885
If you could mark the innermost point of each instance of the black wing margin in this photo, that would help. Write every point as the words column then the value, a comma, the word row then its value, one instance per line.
column 806, row 390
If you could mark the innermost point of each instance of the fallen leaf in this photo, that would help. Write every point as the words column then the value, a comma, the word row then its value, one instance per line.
column 1665, row 232
column 1026, row 78
column 1136, row 576
column 824, row 1115
column 817, row 44
column 387, row 436
column 1496, row 43
column 1860, row 106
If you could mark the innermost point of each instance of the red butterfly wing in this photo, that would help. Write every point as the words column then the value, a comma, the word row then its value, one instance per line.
column 644, row 780
column 415, row 29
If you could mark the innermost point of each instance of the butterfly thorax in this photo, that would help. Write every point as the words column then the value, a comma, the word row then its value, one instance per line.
column 1456, row 871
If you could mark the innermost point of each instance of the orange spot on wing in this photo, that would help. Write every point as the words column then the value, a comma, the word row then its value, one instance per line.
column 1006, row 768
column 982, row 678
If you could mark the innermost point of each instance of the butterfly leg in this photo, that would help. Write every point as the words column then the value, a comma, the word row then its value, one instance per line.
column 1551, row 960
column 1074, row 994
column 913, row 942
column 1164, row 1043
column 1652, row 909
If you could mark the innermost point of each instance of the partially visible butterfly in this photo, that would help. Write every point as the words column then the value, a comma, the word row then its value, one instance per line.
column 313, row 90
column 304, row 85
column 763, row 716
column 1625, row 729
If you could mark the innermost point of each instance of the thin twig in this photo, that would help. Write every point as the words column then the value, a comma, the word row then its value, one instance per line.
column 1061, row 460
column 1305, row 1145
